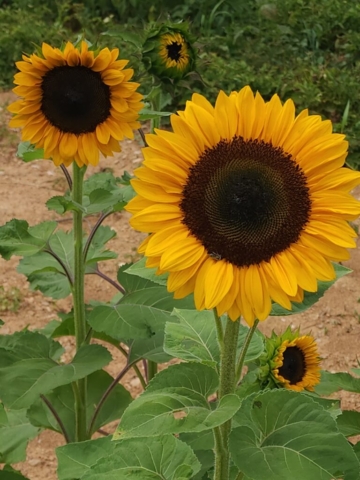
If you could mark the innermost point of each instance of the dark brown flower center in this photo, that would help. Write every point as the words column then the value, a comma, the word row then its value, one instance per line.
column 293, row 368
column 75, row 99
column 174, row 51
column 245, row 201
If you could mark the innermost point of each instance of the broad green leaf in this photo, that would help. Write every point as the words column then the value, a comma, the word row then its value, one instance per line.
column 333, row 382
column 132, row 283
column 288, row 435
column 28, row 152
column 349, row 423
column 140, row 270
column 357, row 450
column 310, row 298
column 15, row 432
column 26, row 345
column 25, row 380
column 139, row 314
column 64, row 203
column 62, row 399
column 194, row 338
column 67, row 328
column 163, row 457
column 39, row 263
column 150, row 348
column 97, row 251
column 175, row 402
column 199, row 440
column 17, row 238
column 75, row 459
column 207, row 461
column 8, row 473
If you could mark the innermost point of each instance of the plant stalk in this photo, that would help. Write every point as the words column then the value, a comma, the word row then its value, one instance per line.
column 227, row 386
column 244, row 350
column 80, row 389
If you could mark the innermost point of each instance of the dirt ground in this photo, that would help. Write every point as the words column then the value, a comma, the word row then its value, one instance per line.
column 24, row 188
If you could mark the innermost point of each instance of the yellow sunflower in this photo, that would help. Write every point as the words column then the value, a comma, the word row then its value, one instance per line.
column 297, row 364
column 246, row 203
column 174, row 51
column 75, row 103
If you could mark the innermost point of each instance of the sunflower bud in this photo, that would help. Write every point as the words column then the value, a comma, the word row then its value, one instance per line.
column 168, row 52
column 290, row 361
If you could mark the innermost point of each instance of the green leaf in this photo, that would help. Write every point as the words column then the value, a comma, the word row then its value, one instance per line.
column 150, row 348
column 64, row 203
column 66, row 327
column 349, row 423
column 15, row 432
column 62, row 399
column 26, row 379
column 333, row 382
column 75, row 459
column 97, row 251
column 310, row 298
column 8, row 473
column 28, row 152
column 27, row 345
column 132, row 283
column 288, row 435
column 140, row 270
column 194, row 338
column 139, row 314
column 164, row 457
column 12, row 474
column 148, row 114
column 17, row 238
column 51, row 284
column 175, row 402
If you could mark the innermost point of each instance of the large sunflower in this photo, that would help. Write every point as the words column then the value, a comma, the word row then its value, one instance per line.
column 297, row 364
column 75, row 103
column 246, row 203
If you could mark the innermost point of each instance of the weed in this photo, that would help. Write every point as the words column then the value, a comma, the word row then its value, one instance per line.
column 10, row 299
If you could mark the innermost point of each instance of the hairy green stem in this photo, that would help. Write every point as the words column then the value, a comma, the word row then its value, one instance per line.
column 227, row 386
column 244, row 350
column 151, row 370
column 78, row 300
column 219, row 329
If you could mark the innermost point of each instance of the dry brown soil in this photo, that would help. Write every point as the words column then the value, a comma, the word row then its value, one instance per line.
column 24, row 188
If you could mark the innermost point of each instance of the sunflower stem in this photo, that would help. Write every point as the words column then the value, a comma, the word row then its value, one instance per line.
column 151, row 370
column 155, row 105
column 244, row 350
column 227, row 386
column 78, row 300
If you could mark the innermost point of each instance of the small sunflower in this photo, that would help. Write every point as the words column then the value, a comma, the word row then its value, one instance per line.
column 294, row 362
column 168, row 51
column 75, row 102
column 246, row 203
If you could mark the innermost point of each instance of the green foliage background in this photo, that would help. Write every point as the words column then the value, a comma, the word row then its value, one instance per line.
column 308, row 50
